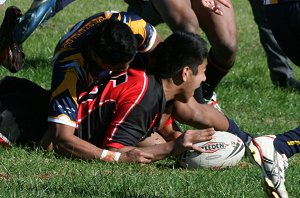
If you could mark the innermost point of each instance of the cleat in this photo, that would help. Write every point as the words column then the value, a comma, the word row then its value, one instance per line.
column 11, row 54
column 213, row 102
column 262, row 153
column 12, row 58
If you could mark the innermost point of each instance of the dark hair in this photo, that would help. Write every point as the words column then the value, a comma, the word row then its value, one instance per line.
column 113, row 41
column 178, row 50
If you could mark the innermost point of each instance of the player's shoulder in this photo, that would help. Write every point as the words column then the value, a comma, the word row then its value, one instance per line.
column 144, row 32
column 130, row 81
column 140, row 80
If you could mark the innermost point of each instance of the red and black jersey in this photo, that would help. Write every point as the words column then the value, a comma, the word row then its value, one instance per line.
column 121, row 110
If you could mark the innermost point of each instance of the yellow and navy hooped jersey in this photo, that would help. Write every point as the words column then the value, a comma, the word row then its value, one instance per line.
column 70, row 75
column 145, row 33
column 269, row 2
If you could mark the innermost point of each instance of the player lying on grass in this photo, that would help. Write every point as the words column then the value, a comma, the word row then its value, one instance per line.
column 74, row 68
column 71, row 53
column 183, row 91
column 122, row 109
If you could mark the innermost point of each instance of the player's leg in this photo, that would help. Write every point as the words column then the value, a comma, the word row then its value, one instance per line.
column 271, row 154
column 272, row 164
column 16, row 28
column 281, row 72
column 177, row 14
column 11, row 54
column 284, row 20
column 40, row 11
column 222, row 35
column 146, row 10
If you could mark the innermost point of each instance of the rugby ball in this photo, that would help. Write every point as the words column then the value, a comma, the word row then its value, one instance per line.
column 224, row 150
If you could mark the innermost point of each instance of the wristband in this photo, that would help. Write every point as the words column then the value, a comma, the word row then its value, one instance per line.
column 117, row 156
column 110, row 156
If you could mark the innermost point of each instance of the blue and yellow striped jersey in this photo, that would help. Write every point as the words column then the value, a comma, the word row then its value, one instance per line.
column 70, row 74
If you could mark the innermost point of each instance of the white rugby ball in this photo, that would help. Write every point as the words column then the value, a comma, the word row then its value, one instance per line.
column 224, row 150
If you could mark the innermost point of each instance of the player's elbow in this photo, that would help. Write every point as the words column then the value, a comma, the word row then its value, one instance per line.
column 57, row 145
column 59, row 141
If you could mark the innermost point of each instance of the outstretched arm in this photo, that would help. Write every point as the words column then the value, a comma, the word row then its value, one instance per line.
column 175, row 147
column 205, row 116
column 200, row 115
column 62, row 139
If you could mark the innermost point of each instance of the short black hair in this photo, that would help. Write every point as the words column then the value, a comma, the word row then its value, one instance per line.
column 113, row 41
column 178, row 50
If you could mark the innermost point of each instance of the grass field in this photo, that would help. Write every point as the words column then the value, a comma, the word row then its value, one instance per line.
column 246, row 95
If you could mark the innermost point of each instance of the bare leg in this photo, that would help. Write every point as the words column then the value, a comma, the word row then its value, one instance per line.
column 222, row 35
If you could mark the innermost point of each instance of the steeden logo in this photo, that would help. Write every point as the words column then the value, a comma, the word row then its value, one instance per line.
column 212, row 147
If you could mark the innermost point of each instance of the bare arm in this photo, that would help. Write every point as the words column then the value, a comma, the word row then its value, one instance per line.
column 200, row 115
column 65, row 142
column 175, row 147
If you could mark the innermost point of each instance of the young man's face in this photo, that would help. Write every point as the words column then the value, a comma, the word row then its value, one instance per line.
column 193, row 81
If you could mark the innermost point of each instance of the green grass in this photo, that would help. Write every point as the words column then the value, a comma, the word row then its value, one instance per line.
column 246, row 95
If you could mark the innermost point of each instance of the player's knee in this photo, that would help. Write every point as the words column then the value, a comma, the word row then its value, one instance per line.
column 230, row 47
column 225, row 52
column 192, row 26
column 185, row 25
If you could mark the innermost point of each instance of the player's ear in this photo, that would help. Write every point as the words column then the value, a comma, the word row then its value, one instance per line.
column 185, row 72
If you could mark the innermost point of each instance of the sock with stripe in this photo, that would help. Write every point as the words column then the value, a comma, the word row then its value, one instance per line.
column 288, row 143
column 215, row 72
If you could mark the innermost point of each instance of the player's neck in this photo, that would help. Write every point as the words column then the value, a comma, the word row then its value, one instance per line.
column 169, row 89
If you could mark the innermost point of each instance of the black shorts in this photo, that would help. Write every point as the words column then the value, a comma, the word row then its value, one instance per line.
column 146, row 10
column 284, row 20
column 23, row 111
